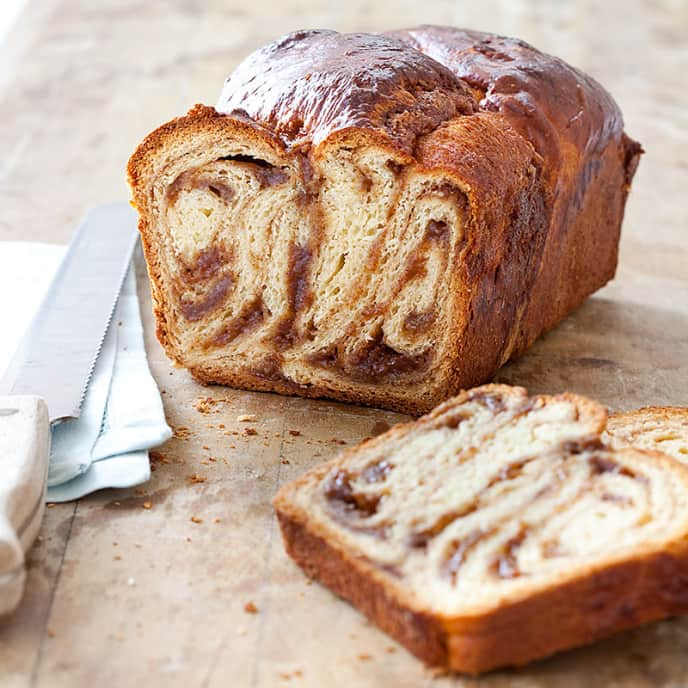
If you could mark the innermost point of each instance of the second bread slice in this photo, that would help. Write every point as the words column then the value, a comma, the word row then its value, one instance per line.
column 658, row 428
column 496, row 530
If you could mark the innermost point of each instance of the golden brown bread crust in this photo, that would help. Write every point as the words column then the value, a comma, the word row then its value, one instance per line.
column 310, row 85
column 657, row 413
column 536, row 147
column 631, row 593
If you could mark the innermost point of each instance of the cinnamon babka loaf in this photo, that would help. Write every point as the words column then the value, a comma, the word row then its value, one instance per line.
column 659, row 428
column 496, row 530
column 382, row 219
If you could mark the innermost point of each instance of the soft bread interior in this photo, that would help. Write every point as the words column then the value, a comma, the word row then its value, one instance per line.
column 492, row 497
column 663, row 429
column 332, row 270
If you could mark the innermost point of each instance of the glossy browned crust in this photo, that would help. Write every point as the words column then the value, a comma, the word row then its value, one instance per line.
column 309, row 85
column 646, row 588
column 537, row 147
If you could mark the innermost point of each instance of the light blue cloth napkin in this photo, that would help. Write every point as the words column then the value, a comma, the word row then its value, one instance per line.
column 122, row 415
column 121, row 419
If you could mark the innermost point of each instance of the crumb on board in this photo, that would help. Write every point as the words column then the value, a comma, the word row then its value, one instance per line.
column 117, row 557
column 288, row 675
column 217, row 520
column 206, row 447
column 205, row 405
column 335, row 440
column 391, row 649
column 50, row 505
column 365, row 657
column 51, row 633
column 146, row 505
column 181, row 432
column 195, row 478
column 284, row 460
column 246, row 418
column 138, row 491
column 222, row 426
column 250, row 607
column 250, row 431
column 157, row 457
column 195, row 519
column 295, row 433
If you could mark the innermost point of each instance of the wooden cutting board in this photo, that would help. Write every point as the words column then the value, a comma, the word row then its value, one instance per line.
column 187, row 578
column 158, row 586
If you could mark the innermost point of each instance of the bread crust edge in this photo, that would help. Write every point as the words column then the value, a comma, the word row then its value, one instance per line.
column 627, row 594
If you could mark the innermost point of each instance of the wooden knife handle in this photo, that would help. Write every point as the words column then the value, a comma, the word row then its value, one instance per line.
column 24, row 456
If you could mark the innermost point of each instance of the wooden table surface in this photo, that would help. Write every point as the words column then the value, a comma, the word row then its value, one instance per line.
column 123, row 595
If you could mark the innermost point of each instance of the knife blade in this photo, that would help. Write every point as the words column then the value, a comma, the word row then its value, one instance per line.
column 57, row 355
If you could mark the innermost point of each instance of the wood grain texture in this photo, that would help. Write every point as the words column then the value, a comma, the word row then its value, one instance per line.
column 80, row 85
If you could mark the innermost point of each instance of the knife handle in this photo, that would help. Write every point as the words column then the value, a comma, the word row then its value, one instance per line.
column 24, row 455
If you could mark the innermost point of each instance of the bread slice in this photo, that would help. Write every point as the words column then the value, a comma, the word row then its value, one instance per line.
column 658, row 428
column 380, row 219
column 496, row 530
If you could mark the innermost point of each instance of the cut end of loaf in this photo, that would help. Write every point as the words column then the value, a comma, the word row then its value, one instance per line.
column 322, row 274
column 501, row 519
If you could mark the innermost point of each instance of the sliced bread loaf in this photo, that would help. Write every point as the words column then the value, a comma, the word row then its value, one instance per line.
column 495, row 530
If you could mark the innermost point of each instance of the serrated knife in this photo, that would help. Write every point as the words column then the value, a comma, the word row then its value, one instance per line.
column 58, row 353
column 52, row 368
